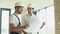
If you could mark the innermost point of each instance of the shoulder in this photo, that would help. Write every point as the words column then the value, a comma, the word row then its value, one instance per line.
column 33, row 15
column 11, row 15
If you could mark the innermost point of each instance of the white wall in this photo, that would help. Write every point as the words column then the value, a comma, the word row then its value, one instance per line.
column 39, row 3
column 48, row 16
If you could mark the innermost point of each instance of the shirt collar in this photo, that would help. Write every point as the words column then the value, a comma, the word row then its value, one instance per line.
column 31, row 15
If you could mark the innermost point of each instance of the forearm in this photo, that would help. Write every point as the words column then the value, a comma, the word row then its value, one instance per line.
column 13, row 28
column 20, row 28
column 43, row 24
column 17, row 29
column 24, row 32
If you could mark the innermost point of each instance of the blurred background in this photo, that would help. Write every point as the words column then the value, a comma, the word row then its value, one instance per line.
column 43, row 9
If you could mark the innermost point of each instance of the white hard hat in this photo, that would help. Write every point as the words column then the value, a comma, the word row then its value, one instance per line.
column 19, row 4
column 31, row 5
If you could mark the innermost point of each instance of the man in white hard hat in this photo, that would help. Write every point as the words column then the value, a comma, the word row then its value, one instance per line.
column 32, row 20
column 15, row 20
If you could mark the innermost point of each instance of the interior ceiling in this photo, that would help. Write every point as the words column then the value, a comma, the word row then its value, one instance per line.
column 38, row 3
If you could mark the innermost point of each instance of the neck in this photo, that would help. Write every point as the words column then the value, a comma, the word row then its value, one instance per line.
column 30, row 14
column 16, row 12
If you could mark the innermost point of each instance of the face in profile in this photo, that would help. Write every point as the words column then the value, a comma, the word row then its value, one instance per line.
column 19, row 9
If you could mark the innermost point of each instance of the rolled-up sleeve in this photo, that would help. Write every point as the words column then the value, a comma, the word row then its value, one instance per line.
column 12, row 20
